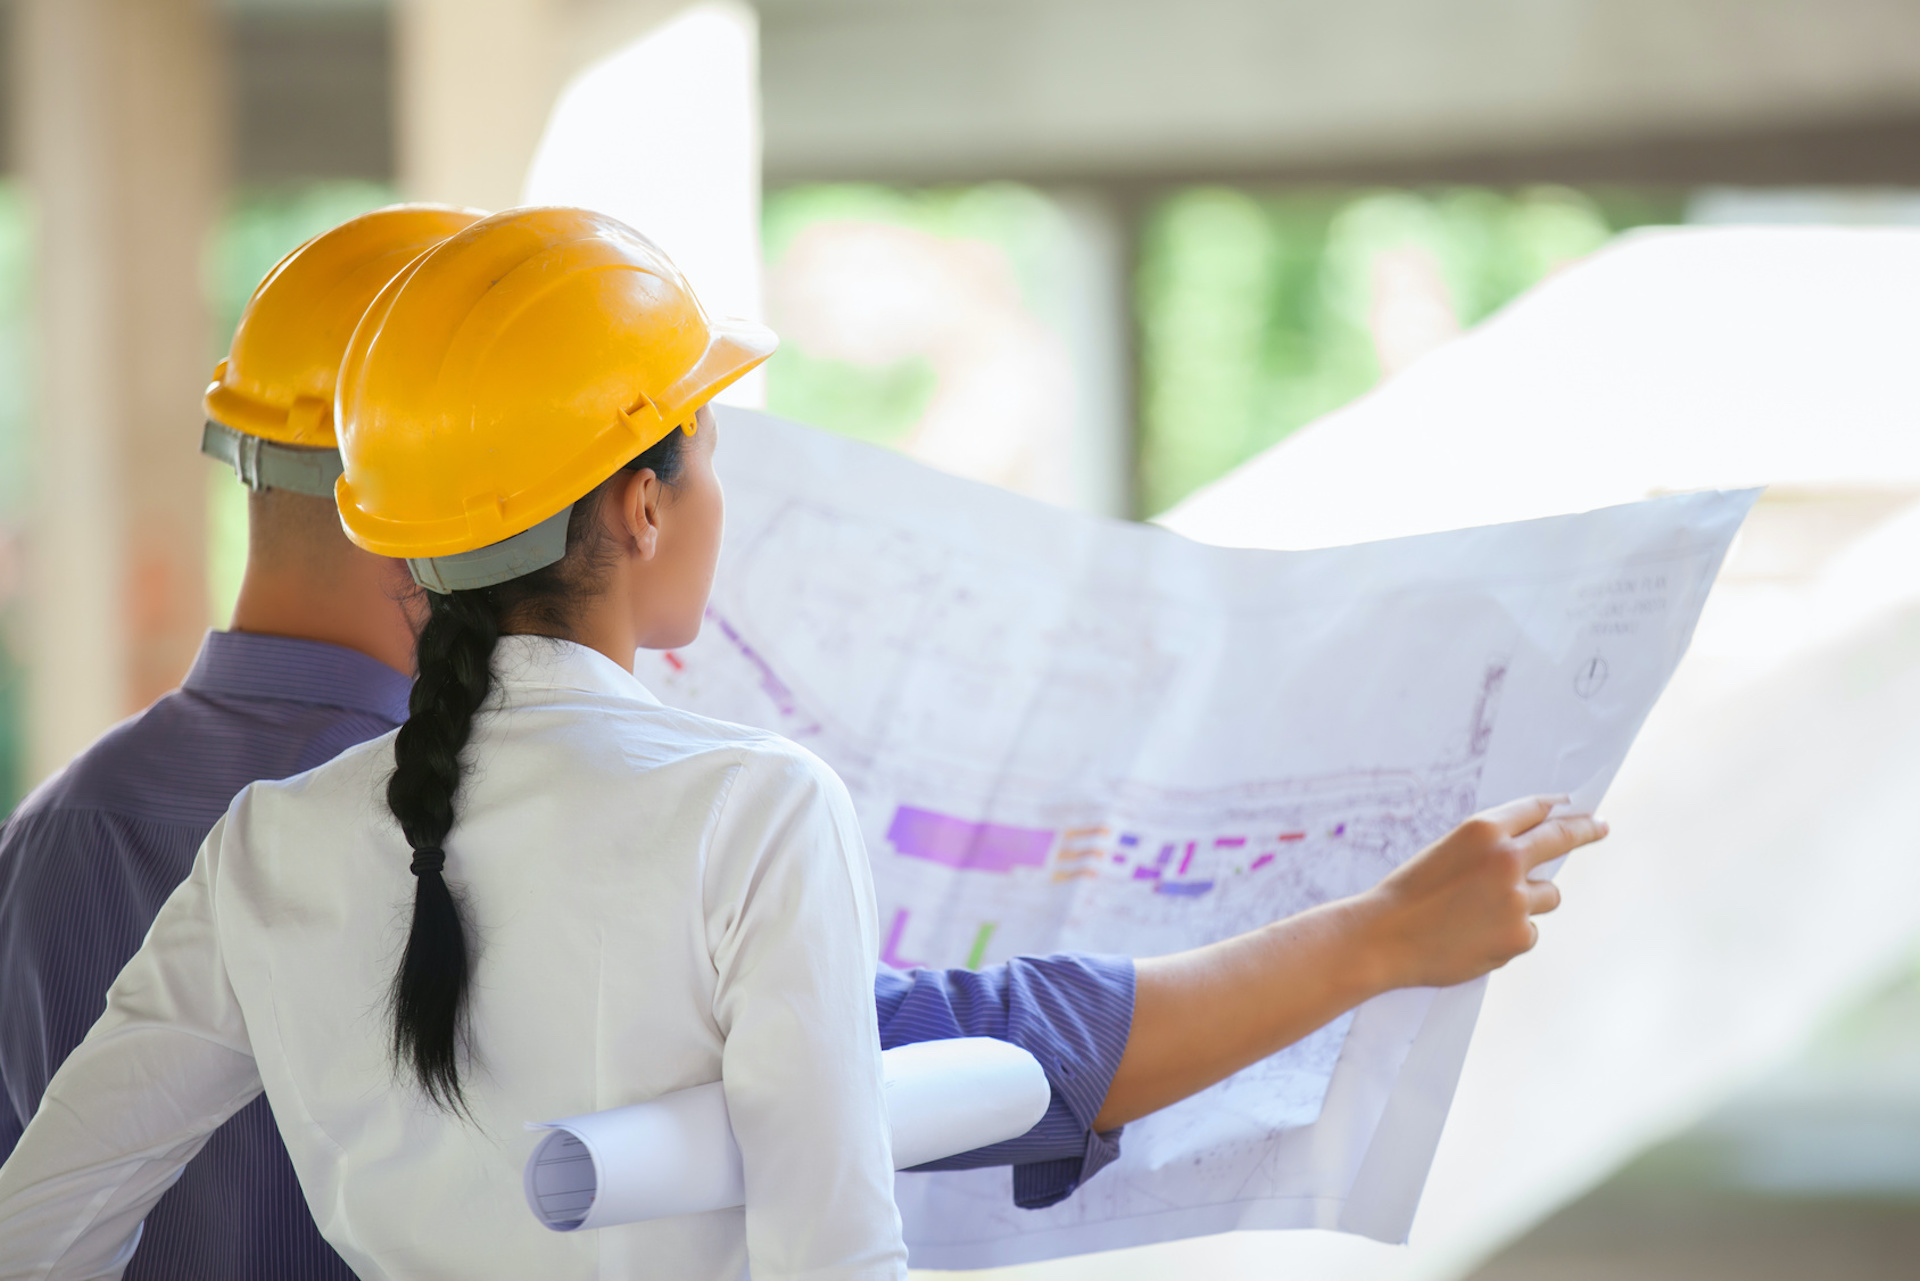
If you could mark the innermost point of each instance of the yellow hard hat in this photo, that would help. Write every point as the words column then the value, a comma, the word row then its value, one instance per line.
column 270, row 405
column 508, row 371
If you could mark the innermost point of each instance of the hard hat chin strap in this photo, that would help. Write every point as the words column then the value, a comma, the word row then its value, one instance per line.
column 265, row 464
column 543, row 545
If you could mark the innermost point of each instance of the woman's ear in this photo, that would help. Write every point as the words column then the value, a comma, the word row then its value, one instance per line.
column 637, row 508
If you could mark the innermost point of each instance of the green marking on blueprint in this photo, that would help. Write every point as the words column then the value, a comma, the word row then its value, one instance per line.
column 980, row 946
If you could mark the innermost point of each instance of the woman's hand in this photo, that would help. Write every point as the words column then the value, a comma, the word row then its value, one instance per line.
column 1464, row 905
column 1457, row 909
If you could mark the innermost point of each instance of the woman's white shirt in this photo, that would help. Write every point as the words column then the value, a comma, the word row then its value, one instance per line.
column 653, row 900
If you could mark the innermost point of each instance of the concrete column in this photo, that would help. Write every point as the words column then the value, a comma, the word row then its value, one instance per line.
column 122, row 143
column 477, row 79
column 1098, row 274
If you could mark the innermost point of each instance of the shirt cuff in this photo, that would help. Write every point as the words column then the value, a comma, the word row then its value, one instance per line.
column 1073, row 1013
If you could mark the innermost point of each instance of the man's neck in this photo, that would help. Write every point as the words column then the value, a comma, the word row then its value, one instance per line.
column 361, row 607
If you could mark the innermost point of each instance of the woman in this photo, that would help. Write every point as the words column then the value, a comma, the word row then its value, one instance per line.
column 647, row 899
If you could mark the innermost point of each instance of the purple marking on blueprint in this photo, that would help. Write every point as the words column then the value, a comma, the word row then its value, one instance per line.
column 1129, row 839
column 1146, row 873
column 1261, row 862
column 1187, row 862
column 1229, row 842
column 771, row 685
column 954, row 842
column 890, row 954
column 1184, row 889
column 1340, row 830
column 1119, row 858
column 1166, row 855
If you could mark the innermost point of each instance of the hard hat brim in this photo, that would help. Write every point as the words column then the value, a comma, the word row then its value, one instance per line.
column 308, row 422
column 734, row 349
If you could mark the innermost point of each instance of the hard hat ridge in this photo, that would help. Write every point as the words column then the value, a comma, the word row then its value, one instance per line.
column 506, row 373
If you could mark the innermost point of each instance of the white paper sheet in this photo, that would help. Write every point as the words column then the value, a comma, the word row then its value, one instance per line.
column 1066, row 733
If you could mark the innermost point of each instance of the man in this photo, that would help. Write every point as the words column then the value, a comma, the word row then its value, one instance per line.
column 318, row 659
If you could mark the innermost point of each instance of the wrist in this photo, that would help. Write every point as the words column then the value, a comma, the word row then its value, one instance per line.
column 1378, row 944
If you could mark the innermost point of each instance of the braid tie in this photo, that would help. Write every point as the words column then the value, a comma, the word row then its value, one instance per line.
column 430, row 859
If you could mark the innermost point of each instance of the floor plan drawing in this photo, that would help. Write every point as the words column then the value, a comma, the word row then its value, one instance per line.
column 1069, row 734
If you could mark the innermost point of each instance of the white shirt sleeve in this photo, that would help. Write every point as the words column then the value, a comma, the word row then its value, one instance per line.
column 793, row 934
column 164, row 1067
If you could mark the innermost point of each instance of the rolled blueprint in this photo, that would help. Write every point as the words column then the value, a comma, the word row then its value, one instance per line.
column 676, row 1154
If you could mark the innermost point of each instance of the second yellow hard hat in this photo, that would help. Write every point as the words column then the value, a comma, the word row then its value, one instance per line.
column 270, row 405
column 511, row 369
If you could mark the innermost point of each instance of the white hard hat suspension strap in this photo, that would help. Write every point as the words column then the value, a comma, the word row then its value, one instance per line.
column 266, row 464
column 545, row 544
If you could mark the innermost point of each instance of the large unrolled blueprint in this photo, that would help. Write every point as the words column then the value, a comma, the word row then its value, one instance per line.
column 1068, row 733
column 676, row 1154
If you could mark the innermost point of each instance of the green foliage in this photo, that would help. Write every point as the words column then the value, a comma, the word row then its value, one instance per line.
column 13, row 719
column 877, row 404
column 1253, row 308
column 881, row 403
column 16, row 296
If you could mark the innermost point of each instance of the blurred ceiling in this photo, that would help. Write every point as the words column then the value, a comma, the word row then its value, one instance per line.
column 1689, row 90
column 1670, row 92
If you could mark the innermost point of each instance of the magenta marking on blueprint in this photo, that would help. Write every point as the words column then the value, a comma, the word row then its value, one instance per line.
column 1261, row 862
column 771, row 685
column 1187, row 861
column 955, row 842
column 890, row 954
column 1183, row 889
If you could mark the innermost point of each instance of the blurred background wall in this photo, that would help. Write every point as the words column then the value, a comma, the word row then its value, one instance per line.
column 1101, row 252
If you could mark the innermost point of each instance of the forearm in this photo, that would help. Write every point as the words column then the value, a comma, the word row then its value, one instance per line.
column 1459, row 908
column 1202, row 1015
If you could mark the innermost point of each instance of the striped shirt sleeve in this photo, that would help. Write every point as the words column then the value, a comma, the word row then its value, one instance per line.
column 1071, row 1012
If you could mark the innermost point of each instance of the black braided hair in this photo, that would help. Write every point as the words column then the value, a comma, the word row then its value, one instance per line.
column 454, row 660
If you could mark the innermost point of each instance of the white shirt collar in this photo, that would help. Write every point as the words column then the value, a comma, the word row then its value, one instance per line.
column 545, row 662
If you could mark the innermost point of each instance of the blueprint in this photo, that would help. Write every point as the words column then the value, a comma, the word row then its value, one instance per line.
column 1068, row 733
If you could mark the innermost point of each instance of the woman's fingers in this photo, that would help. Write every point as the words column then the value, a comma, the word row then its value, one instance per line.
column 1542, row 897
column 1557, row 836
column 1522, row 815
